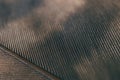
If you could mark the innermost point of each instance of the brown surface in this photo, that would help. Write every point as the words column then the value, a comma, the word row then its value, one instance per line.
column 11, row 68
column 71, row 39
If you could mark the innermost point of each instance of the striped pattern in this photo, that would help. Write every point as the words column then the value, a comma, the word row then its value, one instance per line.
column 12, row 67
column 86, row 46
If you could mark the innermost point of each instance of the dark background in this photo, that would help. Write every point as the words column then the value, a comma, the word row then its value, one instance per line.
column 87, row 49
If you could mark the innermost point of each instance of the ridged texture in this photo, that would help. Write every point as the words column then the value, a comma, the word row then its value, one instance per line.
column 84, row 45
column 15, row 68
